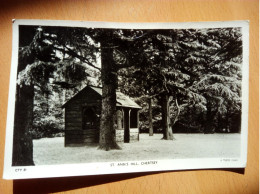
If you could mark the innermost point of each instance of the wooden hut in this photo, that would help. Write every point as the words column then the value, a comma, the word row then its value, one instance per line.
column 82, row 118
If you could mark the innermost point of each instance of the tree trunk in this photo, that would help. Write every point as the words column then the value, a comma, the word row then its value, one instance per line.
column 150, row 117
column 177, row 113
column 209, row 123
column 23, row 120
column 107, row 136
column 228, row 116
column 166, row 121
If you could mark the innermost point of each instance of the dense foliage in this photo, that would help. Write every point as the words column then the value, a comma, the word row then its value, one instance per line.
column 201, row 70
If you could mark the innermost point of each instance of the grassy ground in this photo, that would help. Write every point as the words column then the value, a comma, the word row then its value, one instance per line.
column 52, row 150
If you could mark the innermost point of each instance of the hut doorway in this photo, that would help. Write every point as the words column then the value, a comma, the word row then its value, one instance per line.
column 89, row 119
column 90, row 132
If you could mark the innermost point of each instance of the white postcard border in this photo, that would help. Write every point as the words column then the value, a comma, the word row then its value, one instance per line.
column 22, row 172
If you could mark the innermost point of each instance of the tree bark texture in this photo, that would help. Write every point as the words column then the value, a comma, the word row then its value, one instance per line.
column 107, row 138
column 23, row 120
column 166, row 121
column 150, row 117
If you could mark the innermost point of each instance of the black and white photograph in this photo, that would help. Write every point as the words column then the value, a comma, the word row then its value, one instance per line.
column 99, row 98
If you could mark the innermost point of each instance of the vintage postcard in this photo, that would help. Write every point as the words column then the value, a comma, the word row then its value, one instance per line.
column 91, row 98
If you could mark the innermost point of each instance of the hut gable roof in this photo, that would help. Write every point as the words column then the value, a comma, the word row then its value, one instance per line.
column 122, row 100
column 125, row 101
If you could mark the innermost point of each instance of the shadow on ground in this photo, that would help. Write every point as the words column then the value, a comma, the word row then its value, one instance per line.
column 50, row 185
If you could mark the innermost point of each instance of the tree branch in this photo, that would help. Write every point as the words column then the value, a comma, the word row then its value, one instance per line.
column 72, row 53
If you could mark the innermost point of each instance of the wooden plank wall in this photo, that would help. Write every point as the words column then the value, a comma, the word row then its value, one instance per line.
column 197, row 181
column 74, row 133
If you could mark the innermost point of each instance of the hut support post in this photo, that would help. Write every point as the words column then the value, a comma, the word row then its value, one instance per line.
column 127, row 125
